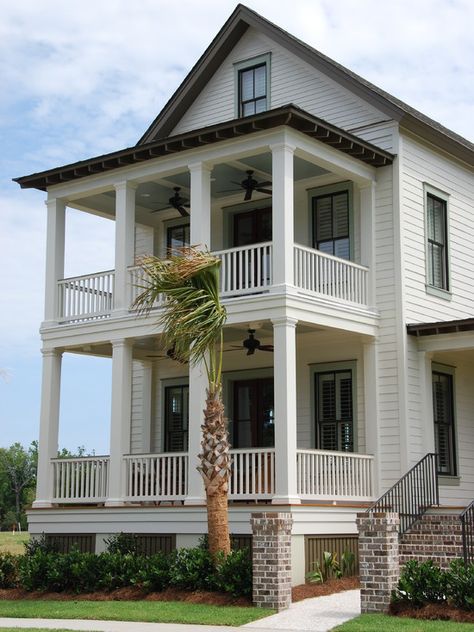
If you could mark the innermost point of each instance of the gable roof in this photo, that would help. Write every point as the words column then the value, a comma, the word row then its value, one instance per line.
column 241, row 19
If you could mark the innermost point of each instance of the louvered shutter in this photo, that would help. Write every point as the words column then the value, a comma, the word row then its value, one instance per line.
column 335, row 410
column 443, row 421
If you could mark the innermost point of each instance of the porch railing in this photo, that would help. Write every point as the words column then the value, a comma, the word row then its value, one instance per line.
column 318, row 272
column 253, row 474
column 246, row 269
column 156, row 476
column 340, row 475
column 413, row 494
column 80, row 480
column 85, row 297
column 467, row 525
column 137, row 279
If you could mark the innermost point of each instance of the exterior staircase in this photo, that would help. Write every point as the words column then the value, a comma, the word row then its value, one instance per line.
column 436, row 535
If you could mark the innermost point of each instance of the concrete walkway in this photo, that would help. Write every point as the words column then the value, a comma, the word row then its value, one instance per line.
column 319, row 614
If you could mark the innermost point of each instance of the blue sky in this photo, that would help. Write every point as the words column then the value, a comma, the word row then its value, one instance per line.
column 81, row 79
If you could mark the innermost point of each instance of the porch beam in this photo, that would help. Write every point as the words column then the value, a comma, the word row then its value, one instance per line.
column 49, row 425
column 284, row 342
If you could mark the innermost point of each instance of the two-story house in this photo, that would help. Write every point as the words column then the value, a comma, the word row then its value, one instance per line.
column 344, row 222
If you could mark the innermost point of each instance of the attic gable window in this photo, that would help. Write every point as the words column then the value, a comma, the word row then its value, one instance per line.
column 253, row 86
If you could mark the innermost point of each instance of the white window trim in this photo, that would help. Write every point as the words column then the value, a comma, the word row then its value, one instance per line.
column 432, row 289
column 448, row 370
column 325, row 367
column 249, row 63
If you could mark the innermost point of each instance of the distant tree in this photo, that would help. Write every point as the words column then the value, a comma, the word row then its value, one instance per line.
column 17, row 476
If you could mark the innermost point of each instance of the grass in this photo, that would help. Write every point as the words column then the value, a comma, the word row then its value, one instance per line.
column 377, row 622
column 149, row 611
column 34, row 630
column 13, row 542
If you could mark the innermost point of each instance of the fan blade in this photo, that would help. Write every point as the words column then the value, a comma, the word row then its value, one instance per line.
column 248, row 195
column 250, row 351
column 182, row 211
column 267, row 183
column 266, row 348
column 267, row 191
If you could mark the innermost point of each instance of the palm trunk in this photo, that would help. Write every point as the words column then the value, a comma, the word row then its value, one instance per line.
column 215, row 470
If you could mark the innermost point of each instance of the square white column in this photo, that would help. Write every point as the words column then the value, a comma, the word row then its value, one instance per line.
column 284, row 343
column 197, row 403
column 49, row 425
column 283, row 215
column 367, row 238
column 124, row 244
column 425, row 360
column 120, row 418
column 372, row 416
column 55, row 235
column 200, row 205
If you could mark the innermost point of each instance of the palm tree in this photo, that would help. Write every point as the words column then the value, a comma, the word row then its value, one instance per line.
column 193, row 320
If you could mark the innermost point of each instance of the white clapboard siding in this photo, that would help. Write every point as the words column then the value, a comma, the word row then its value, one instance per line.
column 137, row 413
column 292, row 81
column 143, row 240
column 421, row 164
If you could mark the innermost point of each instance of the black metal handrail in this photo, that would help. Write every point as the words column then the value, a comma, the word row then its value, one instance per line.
column 467, row 525
column 413, row 494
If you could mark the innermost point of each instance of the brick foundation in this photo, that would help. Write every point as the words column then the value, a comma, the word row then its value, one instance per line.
column 378, row 559
column 271, row 559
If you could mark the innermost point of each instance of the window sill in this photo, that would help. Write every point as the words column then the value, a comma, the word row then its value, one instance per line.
column 449, row 481
column 436, row 291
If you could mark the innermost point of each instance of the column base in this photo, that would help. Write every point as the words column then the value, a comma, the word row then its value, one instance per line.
column 114, row 502
column 41, row 504
column 195, row 500
column 286, row 500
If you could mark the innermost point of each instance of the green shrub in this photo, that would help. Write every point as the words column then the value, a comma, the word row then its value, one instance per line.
column 154, row 572
column 118, row 570
column 8, row 570
column 40, row 543
column 192, row 569
column 233, row 574
column 460, row 584
column 124, row 543
column 421, row 583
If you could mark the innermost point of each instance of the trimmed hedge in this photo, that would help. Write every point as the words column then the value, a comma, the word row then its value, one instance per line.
column 42, row 569
column 422, row 583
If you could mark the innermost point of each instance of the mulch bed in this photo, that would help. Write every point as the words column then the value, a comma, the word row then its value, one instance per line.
column 299, row 593
column 432, row 611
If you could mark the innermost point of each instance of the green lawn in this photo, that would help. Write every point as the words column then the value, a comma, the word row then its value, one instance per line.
column 150, row 611
column 377, row 622
column 34, row 630
column 13, row 542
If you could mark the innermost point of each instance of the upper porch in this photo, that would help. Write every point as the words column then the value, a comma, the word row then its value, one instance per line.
column 288, row 211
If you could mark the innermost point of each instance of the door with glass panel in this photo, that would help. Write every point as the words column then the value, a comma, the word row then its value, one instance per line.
column 254, row 414
column 334, row 410
column 253, row 227
column 176, row 418
column 177, row 237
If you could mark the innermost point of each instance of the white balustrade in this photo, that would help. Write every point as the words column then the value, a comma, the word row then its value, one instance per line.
column 138, row 281
column 86, row 297
column 156, row 476
column 245, row 270
column 80, row 480
column 334, row 475
column 253, row 474
column 318, row 272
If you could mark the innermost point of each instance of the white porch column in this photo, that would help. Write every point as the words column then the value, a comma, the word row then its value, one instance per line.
column 200, row 205
column 425, row 359
column 120, row 418
column 49, row 425
column 147, row 405
column 367, row 237
column 197, row 403
column 372, row 417
column 55, row 234
column 282, row 214
column 124, row 244
column 284, row 342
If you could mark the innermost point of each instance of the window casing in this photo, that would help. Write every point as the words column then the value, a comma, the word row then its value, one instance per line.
column 437, row 242
column 443, row 417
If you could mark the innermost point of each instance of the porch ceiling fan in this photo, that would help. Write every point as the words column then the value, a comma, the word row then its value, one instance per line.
column 252, row 344
column 176, row 201
column 249, row 185
column 170, row 355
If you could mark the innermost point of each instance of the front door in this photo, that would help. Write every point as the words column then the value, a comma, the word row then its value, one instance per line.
column 334, row 410
column 252, row 227
column 253, row 414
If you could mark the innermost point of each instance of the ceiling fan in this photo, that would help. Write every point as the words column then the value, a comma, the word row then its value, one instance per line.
column 252, row 344
column 176, row 201
column 170, row 355
column 249, row 185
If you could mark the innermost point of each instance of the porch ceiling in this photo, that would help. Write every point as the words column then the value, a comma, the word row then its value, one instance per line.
column 290, row 116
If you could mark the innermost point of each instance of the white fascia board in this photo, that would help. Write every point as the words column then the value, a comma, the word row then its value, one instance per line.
column 461, row 341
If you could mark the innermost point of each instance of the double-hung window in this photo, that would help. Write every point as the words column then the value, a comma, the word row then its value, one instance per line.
column 437, row 241
column 331, row 223
column 443, row 416
column 253, row 89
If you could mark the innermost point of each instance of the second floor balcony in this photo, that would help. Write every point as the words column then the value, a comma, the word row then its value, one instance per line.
column 245, row 271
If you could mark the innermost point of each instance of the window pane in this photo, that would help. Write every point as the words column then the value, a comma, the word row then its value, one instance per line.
column 176, row 418
column 327, row 247
column 260, row 82
column 341, row 215
column 341, row 248
column 248, row 108
column 246, row 85
column 443, row 422
column 324, row 219
column 260, row 106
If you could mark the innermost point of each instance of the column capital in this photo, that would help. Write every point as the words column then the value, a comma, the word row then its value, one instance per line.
column 283, row 146
column 124, row 185
column 368, row 186
column 199, row 166
column 121, row 342
column 54, row 202
column 51, row 353
column 284, row 321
